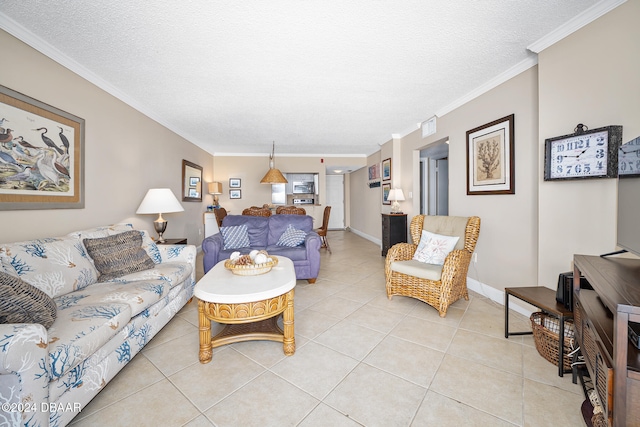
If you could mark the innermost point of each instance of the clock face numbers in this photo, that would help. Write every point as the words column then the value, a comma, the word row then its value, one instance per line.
column 580, row 156
column 629, row 158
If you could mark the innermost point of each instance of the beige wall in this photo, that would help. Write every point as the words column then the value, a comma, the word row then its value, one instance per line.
column 529, row 238
column 590, row 77
column 251, row 169
column 366, row 203
column 507, row 247
column 126, row 153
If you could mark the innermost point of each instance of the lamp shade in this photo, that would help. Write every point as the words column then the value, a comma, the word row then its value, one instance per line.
column 215, row 188
column 159, row 200
column 396, row 194
column 274, row 176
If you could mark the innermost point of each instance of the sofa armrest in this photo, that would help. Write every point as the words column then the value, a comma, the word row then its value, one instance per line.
column 211, row 247
column 24, row 376
column 180, row 253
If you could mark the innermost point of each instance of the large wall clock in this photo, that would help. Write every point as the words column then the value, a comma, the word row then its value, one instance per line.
column 583, row 154
column 629, row 158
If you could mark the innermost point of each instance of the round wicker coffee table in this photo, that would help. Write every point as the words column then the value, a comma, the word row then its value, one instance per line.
column 248, row 306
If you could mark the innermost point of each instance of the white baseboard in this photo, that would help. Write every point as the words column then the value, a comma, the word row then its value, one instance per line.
column 366, row 236
column 497, row 296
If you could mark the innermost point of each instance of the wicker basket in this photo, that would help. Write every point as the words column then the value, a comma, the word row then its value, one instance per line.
column 251, row 269
column 546, row 334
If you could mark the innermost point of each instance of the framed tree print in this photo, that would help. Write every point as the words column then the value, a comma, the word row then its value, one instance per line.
column 490, row 158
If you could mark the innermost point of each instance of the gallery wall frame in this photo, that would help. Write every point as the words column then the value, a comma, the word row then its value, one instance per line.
column 39, row 170
column 386, row 169
column 235, row 183
column 235, row 194
column 491, row 158
column 386, row 187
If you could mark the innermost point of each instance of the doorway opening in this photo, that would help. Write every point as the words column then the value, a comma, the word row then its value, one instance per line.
column 434, row 178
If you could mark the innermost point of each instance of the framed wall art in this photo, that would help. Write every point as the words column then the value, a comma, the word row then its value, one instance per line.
column 385, row 193
column 490, row 158
column 235, row 182
column 374, row 176
column 386, row 169
column 235, row 194
column 42, row 160
column 191, row 182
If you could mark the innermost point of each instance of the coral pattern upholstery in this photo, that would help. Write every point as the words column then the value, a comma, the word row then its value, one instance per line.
column 264, row 233
column 100, row 325
column 437, row 285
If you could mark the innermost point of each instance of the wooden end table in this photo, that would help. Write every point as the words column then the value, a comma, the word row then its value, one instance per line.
column 249, row 306
column 545, row 300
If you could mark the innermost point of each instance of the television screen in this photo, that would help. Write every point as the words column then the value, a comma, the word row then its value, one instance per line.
column 629, row 196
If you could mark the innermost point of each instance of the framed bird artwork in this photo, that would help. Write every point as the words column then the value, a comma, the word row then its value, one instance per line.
column 41, row 155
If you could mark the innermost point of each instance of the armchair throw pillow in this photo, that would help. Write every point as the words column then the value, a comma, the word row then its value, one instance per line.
column 434, row 248
column 24, row 303
column 118, row 255
column 235, row 237
column 291, row 237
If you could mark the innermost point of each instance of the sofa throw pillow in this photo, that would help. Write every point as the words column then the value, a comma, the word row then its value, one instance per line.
column 291, row 237
column 24, row 303
column 434, row 248
column 235, row 237
column 118, row 255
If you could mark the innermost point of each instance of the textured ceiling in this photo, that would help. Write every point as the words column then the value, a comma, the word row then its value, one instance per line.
column 316, row 77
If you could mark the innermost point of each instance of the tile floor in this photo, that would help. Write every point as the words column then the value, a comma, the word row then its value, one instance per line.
column 361, row 360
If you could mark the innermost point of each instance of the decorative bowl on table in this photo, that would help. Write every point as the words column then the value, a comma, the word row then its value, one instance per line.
column 253, row 264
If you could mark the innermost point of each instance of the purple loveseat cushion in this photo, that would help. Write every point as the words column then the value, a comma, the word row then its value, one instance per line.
column 279, row 223
column 257, row 227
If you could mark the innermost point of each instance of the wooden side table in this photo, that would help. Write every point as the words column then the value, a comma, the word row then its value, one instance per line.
column 178, row 241
column 545, row 300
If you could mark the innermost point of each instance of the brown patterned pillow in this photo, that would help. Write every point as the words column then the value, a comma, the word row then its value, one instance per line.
column 118, row 255
column 24, row 303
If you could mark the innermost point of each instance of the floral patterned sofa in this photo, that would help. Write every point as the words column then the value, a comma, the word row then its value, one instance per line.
column 48, row 375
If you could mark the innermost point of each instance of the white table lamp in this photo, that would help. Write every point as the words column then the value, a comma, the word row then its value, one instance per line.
column 395, row 195
column 159, row 201
column 215, row 188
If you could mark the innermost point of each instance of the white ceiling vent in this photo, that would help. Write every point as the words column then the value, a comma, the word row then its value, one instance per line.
column 429, row 127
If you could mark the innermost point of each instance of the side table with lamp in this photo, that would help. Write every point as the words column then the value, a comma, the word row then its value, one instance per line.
column 159, row 201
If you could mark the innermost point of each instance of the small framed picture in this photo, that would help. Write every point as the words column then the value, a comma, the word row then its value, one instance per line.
column 193, row 192
column 386, row 169
column 234, row 183
column 193, row 181
column 235, row 194
column 385, row 193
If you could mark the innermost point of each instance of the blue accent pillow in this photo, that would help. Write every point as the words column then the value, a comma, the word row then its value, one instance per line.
column 235, row 237
column 291, row 237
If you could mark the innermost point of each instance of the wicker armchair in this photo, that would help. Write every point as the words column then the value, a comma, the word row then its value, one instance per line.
column 290, row 210
column 256, row 211
column 437, row 285
column 220, row 214
column 322, row 231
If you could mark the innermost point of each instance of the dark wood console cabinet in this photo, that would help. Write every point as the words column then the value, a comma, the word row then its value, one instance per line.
column 601, row 319
column 394, row 230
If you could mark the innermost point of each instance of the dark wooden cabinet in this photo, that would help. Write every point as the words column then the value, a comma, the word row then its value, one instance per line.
column 394, row 230
column 602, row 317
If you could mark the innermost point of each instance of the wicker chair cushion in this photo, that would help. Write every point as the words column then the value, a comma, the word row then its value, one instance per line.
column 24, row 303
column 418, row 269
column 235, row 237
column 434, row 248
column 447, row 226
column 118, row 255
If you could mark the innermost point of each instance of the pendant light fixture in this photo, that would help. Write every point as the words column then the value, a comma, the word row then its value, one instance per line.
column 273, row 176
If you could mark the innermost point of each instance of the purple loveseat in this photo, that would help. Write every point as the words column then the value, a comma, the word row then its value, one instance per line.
column 264, row 233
